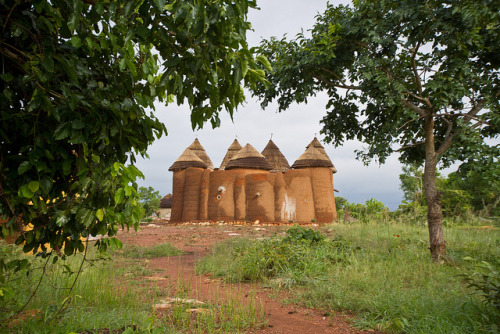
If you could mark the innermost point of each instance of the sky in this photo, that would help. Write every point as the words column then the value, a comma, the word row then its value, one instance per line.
column 291, row 130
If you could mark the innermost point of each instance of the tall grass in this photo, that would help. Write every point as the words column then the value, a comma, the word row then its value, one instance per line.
column 110, row 294
column 100, row 298
column 382, row 272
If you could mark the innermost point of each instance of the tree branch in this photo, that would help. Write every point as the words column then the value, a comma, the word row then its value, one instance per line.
column 414, row 67
column 421, row 99
column 448, row 138
column 336, row 76
column 323, row 80
column 420, row 111
column 410, row 145
column 474, row 110
column 8, row 16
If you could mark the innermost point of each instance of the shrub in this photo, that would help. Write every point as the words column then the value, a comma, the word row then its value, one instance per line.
column 485, row 279
column 298, row 233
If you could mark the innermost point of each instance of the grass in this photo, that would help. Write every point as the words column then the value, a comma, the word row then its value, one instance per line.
column 150, row 252
column 222, row 314
column 382, row 272
column 112, row 293
column 100, row 299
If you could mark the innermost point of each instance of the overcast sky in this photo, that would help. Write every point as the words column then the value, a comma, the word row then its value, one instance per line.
column 291, row 130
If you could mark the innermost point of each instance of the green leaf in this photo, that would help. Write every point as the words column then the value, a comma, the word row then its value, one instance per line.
column 66, row 165
column 34, row 186
column 62, row 220
column 73, row 21
column 77, row 124
column 119, row 196
column 23, row 167
column 68, row 248
column 76, row 41
column 159, row 4
column 87, row 218
column 62, row 131
column 115, row 242
column 100, row 214
column 244, row 67
column 264, row 61
column 46, row 183
column 6, row 77
column 24, row 191
column 48, row 63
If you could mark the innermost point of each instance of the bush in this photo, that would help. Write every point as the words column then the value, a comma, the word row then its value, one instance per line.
column 298, row 233
column 298, row 257
column 485, row 279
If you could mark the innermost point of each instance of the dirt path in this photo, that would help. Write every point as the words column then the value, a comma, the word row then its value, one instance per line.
column 196, row 241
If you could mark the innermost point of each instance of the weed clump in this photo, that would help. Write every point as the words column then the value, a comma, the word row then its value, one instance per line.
column 296, row 258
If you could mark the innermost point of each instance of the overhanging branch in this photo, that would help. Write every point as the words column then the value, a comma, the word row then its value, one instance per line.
column 410, row 145
column 421, row 112
column 331, row 84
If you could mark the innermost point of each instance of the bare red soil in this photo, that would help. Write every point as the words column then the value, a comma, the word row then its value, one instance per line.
column 196, row 241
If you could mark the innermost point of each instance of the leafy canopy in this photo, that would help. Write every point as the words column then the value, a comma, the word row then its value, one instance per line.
column 389, row 65
column 149, row 199
column 78, row 82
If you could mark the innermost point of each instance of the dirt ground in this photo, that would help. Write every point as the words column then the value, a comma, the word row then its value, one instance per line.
column 196, row 241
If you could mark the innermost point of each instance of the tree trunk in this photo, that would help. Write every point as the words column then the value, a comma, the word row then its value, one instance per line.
column 434, row 209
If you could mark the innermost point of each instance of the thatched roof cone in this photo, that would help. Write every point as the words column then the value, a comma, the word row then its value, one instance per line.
column 166, row 202
column 317, row 145
column 201, row 153
column 249, row 157
column 275, row 157
column 187, row 159
column 312, row 157
column 231, row 151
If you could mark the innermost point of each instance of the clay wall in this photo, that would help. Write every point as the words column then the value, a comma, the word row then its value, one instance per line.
column 221, row 195
column 299, row 187
column 192, row 191
column 299, row 195
column 204, row 191
column 259, row 192
column 324, row 201
column 177, row 195
column 284, row 206
column 239, row 193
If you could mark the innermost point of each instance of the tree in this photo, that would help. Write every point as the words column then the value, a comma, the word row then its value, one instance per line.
column 149, row 199
column 412, row 184
column 78, row 82
column 415, row 77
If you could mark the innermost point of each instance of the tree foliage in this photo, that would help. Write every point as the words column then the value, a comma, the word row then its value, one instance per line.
column 411, row 183
column 416, row 77
column 473, row 189
column 149, row 199
column 78, row 82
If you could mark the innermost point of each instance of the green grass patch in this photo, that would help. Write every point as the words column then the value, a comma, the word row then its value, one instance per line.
column 101, row 297
column 150, row 252
column 383, row 272
column 108, row 295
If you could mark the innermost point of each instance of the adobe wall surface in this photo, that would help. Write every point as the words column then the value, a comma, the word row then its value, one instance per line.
column 299, row 195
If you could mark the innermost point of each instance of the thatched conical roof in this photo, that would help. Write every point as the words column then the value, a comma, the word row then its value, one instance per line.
column 166, row 202
column 231, row 151
column 187, row 159
column 275, row 157
column 249, row 157
column 317, row 145
column 201, row 153
column 312, row 157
